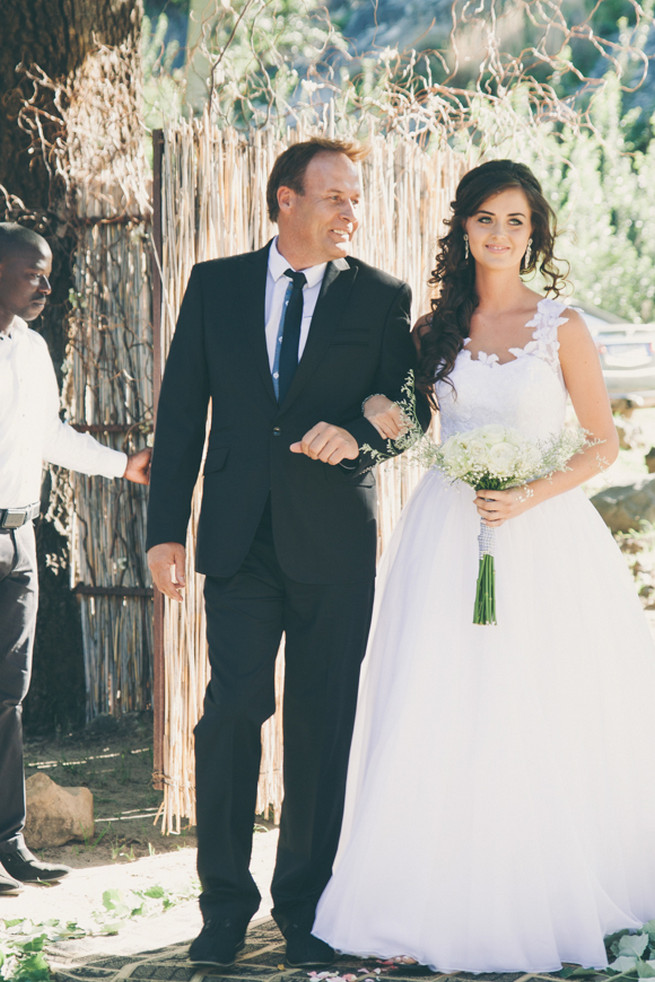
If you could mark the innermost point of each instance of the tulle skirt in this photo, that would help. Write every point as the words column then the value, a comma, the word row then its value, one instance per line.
column 500, row 810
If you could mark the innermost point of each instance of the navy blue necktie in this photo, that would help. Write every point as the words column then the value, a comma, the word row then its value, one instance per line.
column 291, row 332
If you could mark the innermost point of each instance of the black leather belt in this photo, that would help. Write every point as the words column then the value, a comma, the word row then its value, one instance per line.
column 13, row 518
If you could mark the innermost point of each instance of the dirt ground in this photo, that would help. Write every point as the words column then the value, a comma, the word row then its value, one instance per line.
column 131, row 888
column 113, row 758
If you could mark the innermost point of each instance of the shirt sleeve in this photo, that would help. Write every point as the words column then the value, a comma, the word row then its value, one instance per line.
column 64, row 446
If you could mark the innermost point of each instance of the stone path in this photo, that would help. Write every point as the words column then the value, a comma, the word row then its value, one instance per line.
column 261, row 961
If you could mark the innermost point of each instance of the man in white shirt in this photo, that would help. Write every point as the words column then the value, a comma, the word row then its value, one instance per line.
column 30, row 432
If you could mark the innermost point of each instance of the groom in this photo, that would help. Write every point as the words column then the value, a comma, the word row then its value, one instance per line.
column 286, row 342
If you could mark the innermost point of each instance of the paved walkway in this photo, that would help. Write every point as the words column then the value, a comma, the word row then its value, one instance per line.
column 261, row 961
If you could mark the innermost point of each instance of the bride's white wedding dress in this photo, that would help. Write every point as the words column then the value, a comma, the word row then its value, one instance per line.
column 500, row 811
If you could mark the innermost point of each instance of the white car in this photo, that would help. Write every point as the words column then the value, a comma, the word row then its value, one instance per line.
column 627, row 356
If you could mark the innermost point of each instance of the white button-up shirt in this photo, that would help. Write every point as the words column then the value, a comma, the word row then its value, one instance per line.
column 276, row 288
column 30, row 428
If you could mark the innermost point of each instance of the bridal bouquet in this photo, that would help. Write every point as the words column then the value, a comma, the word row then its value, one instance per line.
column 492, row 458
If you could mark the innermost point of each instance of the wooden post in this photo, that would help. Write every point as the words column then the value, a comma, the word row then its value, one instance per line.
column 158, row 667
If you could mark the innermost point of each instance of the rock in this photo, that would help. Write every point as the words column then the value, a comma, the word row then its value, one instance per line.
column 624, row 508
column 56, row 815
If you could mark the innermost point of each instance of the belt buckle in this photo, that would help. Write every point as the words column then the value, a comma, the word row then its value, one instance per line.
column 13, row 518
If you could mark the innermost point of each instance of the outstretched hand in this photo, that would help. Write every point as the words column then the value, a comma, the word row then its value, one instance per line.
column 138, row 466
column 328, row 443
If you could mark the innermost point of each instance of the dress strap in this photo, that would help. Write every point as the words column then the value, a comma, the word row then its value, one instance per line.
column 545, row 343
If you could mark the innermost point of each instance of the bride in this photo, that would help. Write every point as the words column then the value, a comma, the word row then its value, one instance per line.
column 500, row 811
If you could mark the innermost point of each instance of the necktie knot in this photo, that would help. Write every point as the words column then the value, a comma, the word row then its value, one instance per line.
column 298, row 279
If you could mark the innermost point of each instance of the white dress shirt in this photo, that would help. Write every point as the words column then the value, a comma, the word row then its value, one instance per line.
column 30, row 428
column 276, row 288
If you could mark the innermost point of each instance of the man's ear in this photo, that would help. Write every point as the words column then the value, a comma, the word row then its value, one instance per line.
column 284, row 197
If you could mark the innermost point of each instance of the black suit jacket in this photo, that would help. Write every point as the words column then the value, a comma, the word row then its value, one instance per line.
column 323, row 515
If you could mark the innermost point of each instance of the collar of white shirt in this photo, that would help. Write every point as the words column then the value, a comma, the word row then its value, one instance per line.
column 16, row 327
column 278, row 265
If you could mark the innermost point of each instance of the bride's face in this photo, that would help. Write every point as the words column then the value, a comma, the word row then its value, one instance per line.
column 499, row 230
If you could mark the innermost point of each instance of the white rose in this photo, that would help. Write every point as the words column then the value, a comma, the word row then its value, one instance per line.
column 454, row 457
column 493, row 433
column 502, row 459
column 478, row 452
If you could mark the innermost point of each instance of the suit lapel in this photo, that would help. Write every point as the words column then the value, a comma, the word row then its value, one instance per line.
column 335, row 290
column 253, row 298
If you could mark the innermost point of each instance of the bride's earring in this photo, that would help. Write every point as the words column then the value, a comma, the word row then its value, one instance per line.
column 528, row 254
column 466, row 247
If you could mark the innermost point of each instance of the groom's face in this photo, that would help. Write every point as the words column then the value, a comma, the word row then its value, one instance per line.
column 319, row 224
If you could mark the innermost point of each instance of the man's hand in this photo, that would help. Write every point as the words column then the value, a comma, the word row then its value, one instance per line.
column 138, row 466
column 167, row 563
column 328, row 443
column 386, row 416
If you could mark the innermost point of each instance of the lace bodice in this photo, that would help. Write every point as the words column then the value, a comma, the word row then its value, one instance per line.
column 527, row 392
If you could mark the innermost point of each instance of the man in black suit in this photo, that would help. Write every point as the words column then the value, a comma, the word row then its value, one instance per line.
column 287, row 532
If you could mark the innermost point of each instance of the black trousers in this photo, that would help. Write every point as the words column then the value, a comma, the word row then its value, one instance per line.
column 325, row 627
column 18, row 605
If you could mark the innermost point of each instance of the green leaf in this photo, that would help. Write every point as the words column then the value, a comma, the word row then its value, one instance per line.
column 156, row 892
column 35, row 944
column 111, row 899
column 33, row 968
column 625, row 963
column 633, row 944
column 113, row 902
column 645, row 970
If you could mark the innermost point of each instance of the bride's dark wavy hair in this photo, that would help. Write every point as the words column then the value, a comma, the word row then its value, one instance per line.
column 442, row 336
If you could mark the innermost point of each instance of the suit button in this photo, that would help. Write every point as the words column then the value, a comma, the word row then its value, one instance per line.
column 277, row 430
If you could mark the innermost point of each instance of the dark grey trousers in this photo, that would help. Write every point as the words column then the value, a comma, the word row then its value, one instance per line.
column 18, row 605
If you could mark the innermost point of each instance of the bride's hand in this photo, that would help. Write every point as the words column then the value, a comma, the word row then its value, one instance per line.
column 495, row 507
column 386, row 416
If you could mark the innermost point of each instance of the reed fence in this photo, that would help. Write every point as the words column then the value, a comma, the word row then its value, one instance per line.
column 109, row 394
column 108, row 388
column 213, row 204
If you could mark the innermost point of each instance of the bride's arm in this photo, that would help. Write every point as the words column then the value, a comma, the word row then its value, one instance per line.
column 385, row 416
column 584, row 381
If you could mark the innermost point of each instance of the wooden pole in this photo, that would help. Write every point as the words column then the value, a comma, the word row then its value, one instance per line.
column 158, row 667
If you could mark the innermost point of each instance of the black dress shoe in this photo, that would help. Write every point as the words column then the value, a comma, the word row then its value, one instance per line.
column 23, row 866
column 218, row 942
column 9, row 887
column 304, row 950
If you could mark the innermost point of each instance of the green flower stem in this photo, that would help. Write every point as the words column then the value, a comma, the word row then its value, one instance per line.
column 484, row 611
